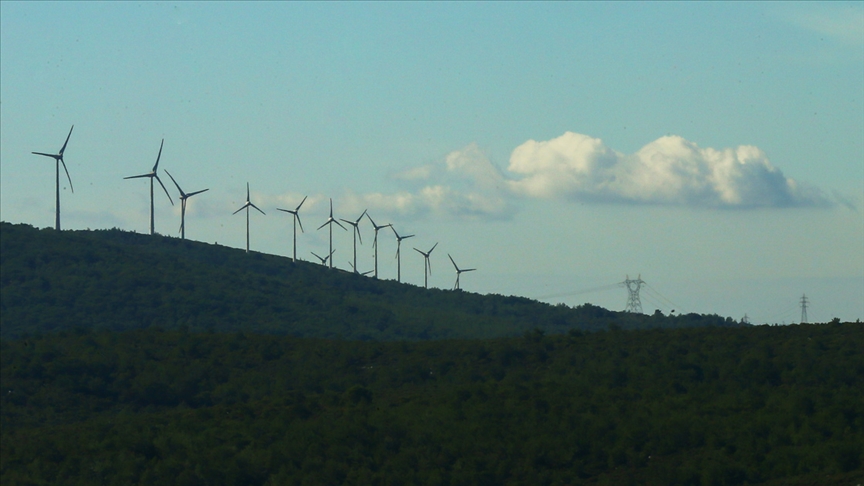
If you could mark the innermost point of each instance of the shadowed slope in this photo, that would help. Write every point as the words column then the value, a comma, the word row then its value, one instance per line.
column 118, row 280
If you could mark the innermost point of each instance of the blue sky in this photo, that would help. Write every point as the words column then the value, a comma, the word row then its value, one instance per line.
column 717, row 149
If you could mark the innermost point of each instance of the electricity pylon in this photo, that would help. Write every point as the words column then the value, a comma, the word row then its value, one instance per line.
column 634, row 305
column 804, row 303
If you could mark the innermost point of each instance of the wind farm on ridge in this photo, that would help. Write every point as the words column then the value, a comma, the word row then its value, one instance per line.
column 325, row 260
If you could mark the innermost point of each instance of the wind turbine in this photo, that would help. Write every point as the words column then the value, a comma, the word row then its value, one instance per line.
column 426, row 265
column 375, row 242
column 183, row 198
column 246, row 207
column 458, row 271
column 58, row 159
column 295, row 212
column 330, row 222
column 367, row 272
column 356, row 225
column 153, row 175
column 398, row 253
column 324, row 259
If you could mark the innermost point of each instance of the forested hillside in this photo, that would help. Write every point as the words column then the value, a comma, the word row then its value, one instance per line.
column 707, row 406
column 133, row 359
column 111, row 279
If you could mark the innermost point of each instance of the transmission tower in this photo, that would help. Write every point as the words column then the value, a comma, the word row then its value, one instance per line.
column 634, row 305
column 804, row 303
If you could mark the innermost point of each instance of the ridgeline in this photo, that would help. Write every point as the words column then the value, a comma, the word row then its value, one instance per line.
column 133, row 359
column 116, row 280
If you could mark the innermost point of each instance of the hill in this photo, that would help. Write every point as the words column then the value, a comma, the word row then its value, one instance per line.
column 111, row 279
column 709, row 406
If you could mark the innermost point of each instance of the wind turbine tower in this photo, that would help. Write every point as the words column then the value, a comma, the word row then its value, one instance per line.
column 246, row 207
column 459, row 271
column 153, row 175
column 426, row 265
column 295, row 212
column 804, row 303
column 330, row 222
column 375, row 241
column 356, row 225
column 634, row 304
column 58, row 159
column 183, row 198
column 398, row 252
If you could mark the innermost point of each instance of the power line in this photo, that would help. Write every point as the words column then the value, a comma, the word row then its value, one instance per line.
column 656, row 303
column 782, row 315
column 579, row 292
column 651, row 289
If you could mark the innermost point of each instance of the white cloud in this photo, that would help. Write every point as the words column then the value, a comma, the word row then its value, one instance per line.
column 669, row 170
column 465, row 183
column 415, row 174
column 842, row 21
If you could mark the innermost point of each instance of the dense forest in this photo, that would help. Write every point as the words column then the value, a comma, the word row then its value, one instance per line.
column 704, row 406
column 111, row 279
column 147, row 360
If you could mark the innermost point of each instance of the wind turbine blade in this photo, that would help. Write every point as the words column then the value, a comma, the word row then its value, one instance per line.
column 349, row 222
column 247, row 192
column 301, row 203
column 420, row 252
column 339, row 224
column 406, row 237
column 298, row 220
column 323, row 225
column 357, row 230
column 139, row 176
column 67, row 173
column 259, row 210
column 361, row 216
column 196, row 192
column 469, row 269
column 433, row 248
column 331, row 208
column 163, row 188
column 454, row 263
column 241, row 209
column 370, row 220
column 182, row 194
column 159, row 157
column 53, row 156
column 285, row 210
column 67, row 141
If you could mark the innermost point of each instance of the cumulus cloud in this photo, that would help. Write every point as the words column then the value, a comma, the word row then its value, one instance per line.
column 465, row 183
column 669, row 170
